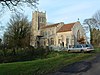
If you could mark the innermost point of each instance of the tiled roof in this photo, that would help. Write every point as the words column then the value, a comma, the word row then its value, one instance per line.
column 66, row 27
column 49, row 26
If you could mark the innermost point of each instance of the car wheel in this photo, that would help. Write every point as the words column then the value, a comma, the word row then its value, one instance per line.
column 82, row 51
column 68, row 51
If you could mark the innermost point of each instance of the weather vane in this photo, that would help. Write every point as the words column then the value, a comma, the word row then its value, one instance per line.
column 78, row 19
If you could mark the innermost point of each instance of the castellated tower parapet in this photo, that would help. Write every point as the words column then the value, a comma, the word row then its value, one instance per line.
column 38, row 21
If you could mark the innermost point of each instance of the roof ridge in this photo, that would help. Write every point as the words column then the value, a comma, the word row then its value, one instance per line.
column 66, row 27
column 71, row 23
column 52, row 25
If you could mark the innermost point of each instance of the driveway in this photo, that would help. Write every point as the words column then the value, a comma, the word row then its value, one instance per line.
column 86, row 67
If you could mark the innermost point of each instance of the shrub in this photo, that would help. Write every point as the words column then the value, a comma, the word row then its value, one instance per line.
column 23, row 54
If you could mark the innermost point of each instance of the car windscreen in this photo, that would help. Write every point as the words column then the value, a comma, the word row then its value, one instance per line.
column 89, row 45
column 77, row 46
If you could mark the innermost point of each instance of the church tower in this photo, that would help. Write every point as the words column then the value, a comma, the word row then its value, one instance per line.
column 38, row 21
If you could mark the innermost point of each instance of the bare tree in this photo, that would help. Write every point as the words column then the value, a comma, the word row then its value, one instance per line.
column 92, row 23
column 96, row 16
column 14, row 5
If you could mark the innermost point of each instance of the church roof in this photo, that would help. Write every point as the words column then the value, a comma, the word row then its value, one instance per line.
column 49, row 26
column 66, row 27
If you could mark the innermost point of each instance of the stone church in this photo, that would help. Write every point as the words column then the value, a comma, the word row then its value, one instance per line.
column 58, row 34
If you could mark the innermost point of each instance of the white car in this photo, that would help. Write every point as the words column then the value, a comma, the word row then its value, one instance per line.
column 80, row 48
column 88, row 47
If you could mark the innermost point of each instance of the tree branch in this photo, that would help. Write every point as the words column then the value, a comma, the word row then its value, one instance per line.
column 15, row 4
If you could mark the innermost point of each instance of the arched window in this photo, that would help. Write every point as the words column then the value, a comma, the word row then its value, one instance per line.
column 67, row 41
column 52, row 41
column 78, row 35
column 62, row 38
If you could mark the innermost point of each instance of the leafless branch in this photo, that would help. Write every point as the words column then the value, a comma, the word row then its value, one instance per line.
column 13, row 5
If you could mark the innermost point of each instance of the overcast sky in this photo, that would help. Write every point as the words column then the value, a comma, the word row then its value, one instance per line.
column 61, row 10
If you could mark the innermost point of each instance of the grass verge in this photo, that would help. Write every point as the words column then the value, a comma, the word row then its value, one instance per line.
column 97, row 49
column 42, row 66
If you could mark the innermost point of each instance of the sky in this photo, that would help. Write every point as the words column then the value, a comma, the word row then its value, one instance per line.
column 69, row 10
column 66, row 11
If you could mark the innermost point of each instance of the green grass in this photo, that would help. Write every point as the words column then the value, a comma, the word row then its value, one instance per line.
column 42, row 66
column 97, row 49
